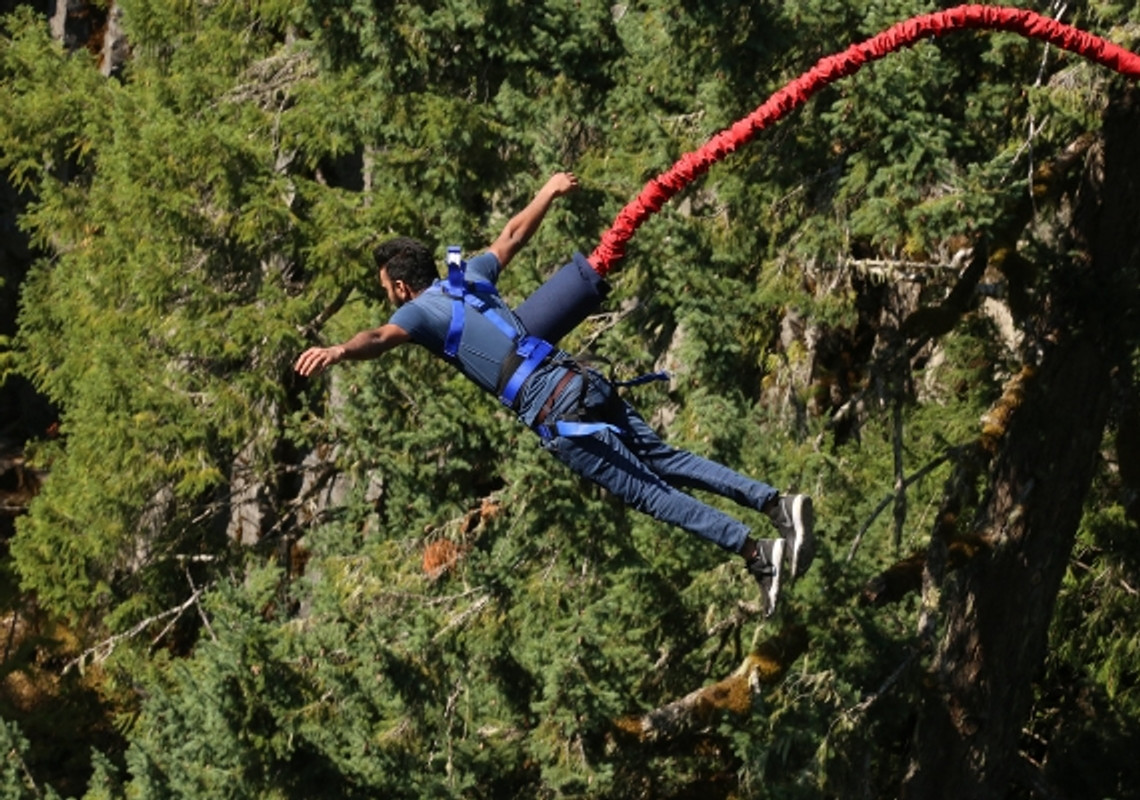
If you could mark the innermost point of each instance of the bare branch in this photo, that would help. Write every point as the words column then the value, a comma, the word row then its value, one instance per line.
column 198, row 605
column 867, row 702
column 901, row 269
column 270, row 80
column 609, row 320
column 899, row 486
column 313, row 327
column 102, row 651
column 462, row 617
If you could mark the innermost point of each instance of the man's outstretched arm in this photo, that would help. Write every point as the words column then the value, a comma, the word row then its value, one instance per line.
column 361, row 347
column 526, row 222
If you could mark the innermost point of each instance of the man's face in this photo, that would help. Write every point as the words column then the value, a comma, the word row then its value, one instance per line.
column 398, row 291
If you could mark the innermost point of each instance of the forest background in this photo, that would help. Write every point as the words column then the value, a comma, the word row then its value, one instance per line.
column 914, row 299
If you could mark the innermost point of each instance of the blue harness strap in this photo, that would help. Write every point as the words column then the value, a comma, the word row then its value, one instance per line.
column 568, row 428
column 530, row 349
column 463, row 293
column 646, row 378
column 456, row 289
column 587, row 428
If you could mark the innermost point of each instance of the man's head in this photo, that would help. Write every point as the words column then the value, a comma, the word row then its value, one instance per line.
column 406, row 268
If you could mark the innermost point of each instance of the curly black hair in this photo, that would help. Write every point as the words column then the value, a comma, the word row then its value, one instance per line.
column 407, row 260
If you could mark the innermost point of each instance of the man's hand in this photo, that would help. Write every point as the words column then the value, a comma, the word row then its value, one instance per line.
column 561, row 183
column 526, row 222
column 316, row 360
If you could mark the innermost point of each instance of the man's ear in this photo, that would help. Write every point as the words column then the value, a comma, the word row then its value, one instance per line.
column 403, row 291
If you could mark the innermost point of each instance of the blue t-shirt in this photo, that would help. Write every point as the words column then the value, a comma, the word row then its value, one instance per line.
column 483, row 346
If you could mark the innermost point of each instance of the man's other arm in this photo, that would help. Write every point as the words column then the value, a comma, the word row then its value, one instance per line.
column 521, row 226
column 363, row 346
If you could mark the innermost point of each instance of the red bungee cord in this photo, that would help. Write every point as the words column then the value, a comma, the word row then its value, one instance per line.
column 658, row 191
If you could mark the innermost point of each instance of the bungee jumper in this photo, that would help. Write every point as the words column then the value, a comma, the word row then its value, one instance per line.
column 577, row 412
column 513, row 354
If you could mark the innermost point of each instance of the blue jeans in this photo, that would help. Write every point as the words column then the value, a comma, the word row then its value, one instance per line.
column 641, row 469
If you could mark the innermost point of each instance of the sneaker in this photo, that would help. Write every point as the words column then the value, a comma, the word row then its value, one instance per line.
column 765, row 568
column 793, row 517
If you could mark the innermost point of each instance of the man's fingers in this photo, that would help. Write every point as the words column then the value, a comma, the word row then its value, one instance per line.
column 311, row 362
column 564, row 182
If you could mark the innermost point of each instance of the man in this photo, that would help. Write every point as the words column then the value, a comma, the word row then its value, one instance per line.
column 577, row 412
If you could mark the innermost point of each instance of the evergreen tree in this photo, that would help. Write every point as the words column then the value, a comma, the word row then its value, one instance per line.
column 378, row 585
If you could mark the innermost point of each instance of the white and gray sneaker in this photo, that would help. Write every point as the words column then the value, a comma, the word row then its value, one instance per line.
column 765, row 568
column 793, row 516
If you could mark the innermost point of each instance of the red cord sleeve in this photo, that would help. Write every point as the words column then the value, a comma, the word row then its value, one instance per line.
column 611, row 247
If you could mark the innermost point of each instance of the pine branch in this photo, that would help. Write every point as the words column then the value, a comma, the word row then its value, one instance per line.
column 28, row 777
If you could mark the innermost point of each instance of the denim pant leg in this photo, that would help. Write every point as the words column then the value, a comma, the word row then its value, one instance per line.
column 604, row 459
column 687, row 470
column 650, row 483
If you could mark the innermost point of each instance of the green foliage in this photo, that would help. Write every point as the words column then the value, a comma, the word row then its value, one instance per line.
column 1089, row 690
column 16, row 781
column 204, row 219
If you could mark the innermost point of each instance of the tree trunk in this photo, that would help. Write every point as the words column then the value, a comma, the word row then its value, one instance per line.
column 996, row 611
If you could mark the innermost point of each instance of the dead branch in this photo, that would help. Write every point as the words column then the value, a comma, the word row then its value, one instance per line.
column 461, row 619
column 314, row 326
column 273, row 78
column 102, row 651
column 608, row 320
column 867, row 702
column 901, row 486
column 905, row 576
